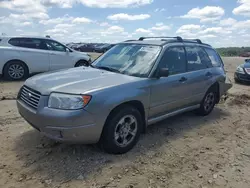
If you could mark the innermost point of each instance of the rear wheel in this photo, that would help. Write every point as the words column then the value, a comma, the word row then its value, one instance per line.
column 15, row 70
column 208, row 102
column 122, row 130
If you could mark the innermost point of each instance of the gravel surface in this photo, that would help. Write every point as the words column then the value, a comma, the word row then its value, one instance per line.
column 183, row 151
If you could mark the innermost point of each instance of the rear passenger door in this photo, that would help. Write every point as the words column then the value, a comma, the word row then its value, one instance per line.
column 33, row 52
column 198, row 72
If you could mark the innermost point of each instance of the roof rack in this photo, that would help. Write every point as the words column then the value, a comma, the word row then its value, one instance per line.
column 178, row 38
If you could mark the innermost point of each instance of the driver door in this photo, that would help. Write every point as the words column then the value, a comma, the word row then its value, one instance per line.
column 170, row 93
column 60, row 57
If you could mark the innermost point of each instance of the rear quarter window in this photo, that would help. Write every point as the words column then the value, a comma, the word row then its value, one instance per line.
column 214, row 57
column 14, row 41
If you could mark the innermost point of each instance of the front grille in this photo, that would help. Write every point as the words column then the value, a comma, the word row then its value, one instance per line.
column 30, row 97
column 244, row 77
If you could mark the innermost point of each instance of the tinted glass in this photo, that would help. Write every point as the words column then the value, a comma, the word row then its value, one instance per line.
column 214, row 57
column 55, row 46
column 14, row 42
column 174, row 59
column 28, row 43
column 131, row 59
column 197, row 59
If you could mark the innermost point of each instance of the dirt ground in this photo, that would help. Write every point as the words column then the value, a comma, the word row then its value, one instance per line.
column 184, row 151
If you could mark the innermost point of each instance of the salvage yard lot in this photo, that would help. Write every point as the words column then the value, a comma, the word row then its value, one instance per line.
column 183, row 151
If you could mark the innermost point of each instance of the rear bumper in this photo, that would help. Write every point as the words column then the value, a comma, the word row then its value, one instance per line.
column 242, row 77
column 225, row 86
column 62, row 125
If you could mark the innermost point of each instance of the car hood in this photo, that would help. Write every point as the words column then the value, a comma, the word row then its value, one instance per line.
column 80, row 80
column 246, row 65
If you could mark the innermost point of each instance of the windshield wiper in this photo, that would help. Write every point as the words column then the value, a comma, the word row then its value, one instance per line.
column 108, row 69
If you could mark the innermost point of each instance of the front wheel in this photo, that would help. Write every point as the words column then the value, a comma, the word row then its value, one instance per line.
column 122, row 130
column 81, row 63
column 208, row 103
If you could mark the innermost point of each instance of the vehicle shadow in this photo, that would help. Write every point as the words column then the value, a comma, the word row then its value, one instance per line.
column 242, row 83
column 64, row 162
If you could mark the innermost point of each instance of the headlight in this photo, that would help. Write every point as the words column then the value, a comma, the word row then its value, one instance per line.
column 240, row 70
column 68, row 101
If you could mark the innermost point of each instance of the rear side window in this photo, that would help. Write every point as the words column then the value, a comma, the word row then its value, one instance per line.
column 197, row 59
column 214, row 57
column 28, row 43
column 14, row 42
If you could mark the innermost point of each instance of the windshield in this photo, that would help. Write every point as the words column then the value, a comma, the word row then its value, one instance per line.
column 131, row 59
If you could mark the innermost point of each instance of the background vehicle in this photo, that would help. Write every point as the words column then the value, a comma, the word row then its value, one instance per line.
column 85, row 48
column 131, row 86
column 245, row 54
column 242, row 73
column 104, row 48
column 21, row 56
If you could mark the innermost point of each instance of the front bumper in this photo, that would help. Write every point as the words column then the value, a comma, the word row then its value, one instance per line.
column 242, row 77
column 76, row 126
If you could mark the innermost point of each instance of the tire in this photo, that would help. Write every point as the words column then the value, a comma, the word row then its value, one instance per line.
column 112, row 139
column 81, row 63
column 15, row 70
column 208, row 102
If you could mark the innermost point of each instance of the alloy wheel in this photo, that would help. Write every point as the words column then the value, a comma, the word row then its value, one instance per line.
column 125, row 130
column 16, row 71
column 209, row 101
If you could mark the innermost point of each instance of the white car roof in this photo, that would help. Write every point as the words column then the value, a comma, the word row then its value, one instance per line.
column 36, row 37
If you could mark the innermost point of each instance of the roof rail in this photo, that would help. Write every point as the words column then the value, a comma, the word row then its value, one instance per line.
column 194, row 40
column 178, row 38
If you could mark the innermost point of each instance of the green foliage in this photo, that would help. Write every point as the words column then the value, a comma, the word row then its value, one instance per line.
column 233, row 51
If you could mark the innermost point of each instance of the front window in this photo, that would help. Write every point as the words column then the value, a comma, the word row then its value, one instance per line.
column 131, row 59
column 55, row 46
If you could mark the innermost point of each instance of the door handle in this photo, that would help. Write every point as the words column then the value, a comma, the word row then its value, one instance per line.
column 209, row 74
column 183, row 79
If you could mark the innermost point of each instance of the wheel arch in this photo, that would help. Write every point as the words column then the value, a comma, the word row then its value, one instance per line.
column 79, row 61
column 134, row 103
column 216, row 86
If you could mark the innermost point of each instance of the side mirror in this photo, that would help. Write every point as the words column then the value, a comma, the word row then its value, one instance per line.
column 68, row 50
column 163, row 72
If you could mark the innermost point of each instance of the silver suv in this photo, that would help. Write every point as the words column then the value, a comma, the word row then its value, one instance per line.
column 134, row 84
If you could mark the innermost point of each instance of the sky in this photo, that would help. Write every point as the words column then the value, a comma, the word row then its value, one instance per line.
column 221, row 23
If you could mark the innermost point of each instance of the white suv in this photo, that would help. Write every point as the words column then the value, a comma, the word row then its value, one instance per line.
column 21, row 56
